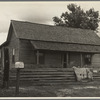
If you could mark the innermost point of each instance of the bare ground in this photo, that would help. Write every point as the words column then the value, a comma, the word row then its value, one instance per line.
column 85, row 90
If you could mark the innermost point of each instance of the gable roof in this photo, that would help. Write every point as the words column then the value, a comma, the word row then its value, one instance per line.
column 33, row 31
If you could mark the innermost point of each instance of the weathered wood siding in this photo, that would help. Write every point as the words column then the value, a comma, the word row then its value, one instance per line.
column 53, row 59
column 2, row 58
column 26, row 52
column 96, row 60
column 13, row 44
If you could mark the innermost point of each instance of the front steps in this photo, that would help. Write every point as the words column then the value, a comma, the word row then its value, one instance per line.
column 46, row 76
column 96, row 77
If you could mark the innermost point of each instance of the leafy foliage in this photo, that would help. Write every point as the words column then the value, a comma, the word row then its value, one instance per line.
column 78, row 18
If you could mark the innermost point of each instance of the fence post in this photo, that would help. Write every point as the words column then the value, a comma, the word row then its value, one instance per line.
column 17, row 81
column 18, row 66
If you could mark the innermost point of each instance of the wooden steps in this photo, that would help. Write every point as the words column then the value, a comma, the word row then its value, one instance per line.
column 45, row 76
column 96, row 77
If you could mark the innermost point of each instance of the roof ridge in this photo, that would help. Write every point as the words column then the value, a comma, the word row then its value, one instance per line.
column 32, row 23
column 50, row 25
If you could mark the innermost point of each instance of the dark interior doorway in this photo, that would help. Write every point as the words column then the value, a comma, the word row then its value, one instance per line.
column 65, row 63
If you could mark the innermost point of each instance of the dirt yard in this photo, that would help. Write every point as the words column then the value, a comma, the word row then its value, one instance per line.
column 54, row 91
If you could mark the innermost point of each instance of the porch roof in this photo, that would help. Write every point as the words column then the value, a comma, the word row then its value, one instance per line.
column 65, row 47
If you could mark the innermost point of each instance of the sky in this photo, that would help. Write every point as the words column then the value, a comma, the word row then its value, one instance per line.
column 36, row 12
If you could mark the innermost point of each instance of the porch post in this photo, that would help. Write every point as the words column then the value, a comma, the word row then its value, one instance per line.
column 81, row 60
column 67, row 58
column 37, row 57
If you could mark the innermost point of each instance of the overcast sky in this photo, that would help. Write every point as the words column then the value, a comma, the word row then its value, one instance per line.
column 38, row 12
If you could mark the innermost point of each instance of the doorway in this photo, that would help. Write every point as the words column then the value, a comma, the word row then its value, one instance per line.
column 65, row 60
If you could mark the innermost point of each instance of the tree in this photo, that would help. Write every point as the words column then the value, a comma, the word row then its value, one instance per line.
column 78, row 18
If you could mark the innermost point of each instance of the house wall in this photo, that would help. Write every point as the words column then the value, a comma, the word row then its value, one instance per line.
column 26, row 52
column 0, row 60
column 75, row 59
column 96, row 61
column 13, row 44
column 53, row 59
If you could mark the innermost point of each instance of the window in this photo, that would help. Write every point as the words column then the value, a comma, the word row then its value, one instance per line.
column 74, row 59
column 87, row 59
column 13, row 55
column 41, row 58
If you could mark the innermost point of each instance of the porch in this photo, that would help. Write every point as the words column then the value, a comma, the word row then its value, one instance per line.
column 57, row 55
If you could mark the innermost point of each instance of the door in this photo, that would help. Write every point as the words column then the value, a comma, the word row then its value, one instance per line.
column 65, row 60
column 6, row 68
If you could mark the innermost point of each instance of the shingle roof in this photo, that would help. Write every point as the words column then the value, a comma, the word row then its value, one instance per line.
column 33, row 31
column 65, row 47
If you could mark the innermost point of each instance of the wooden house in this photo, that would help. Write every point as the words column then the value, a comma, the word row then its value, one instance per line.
column 50, row 46
column 45, row 46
